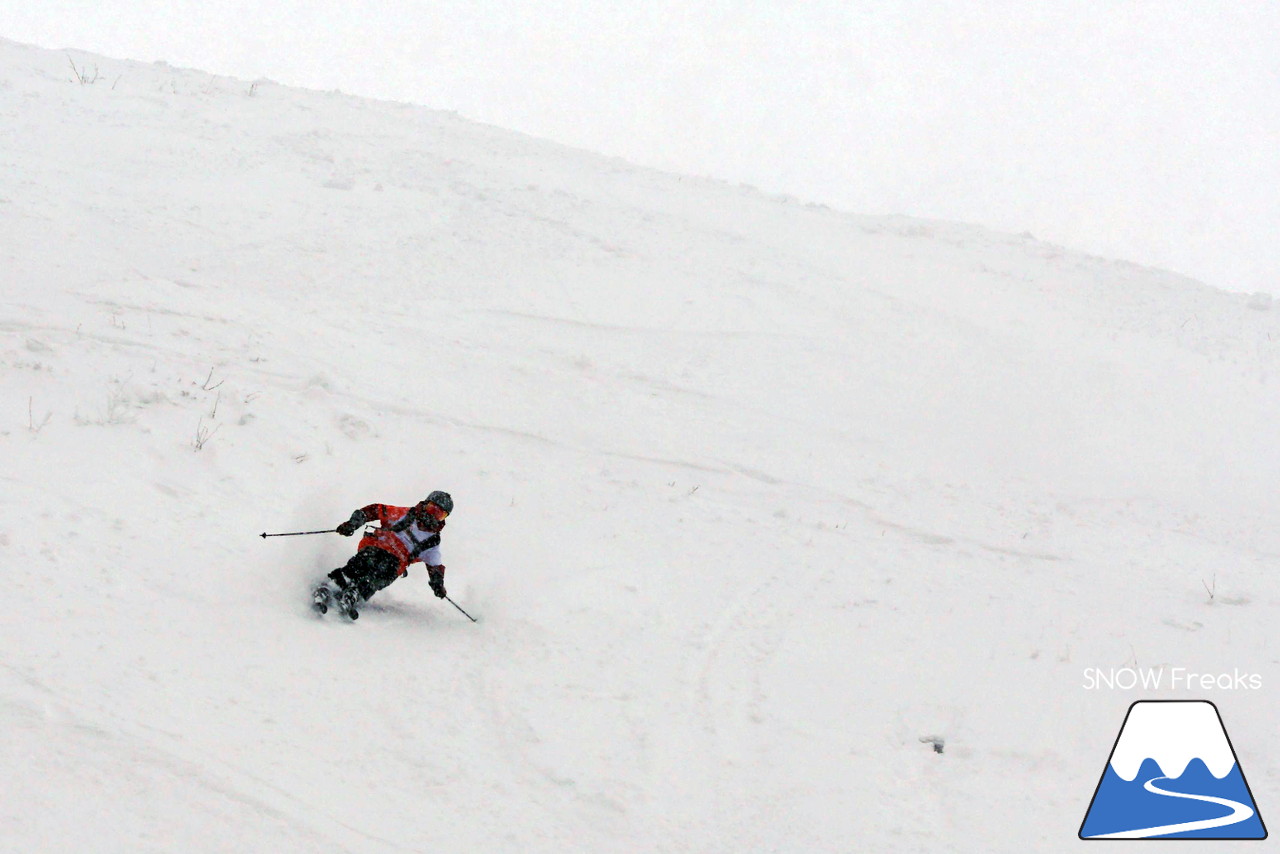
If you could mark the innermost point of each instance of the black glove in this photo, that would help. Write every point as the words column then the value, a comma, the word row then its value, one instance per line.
column 348, row 527
column 435, row 574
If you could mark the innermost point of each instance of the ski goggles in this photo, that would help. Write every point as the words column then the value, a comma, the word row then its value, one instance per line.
column 434, row 512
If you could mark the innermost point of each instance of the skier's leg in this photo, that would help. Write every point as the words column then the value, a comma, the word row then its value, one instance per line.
column 382, row 570
column 356, row 568
column 339, row 577
column 348, row 580
column 365, row 574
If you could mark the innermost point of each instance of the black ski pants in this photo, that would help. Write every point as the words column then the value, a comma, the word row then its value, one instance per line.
column 369, row 569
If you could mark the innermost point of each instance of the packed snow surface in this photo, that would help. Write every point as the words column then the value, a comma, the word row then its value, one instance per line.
column 757, row 502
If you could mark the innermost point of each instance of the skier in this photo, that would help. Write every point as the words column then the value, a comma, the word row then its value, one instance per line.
column 406, row 535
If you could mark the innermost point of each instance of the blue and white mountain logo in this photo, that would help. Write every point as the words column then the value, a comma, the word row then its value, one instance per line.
column 1172, row 774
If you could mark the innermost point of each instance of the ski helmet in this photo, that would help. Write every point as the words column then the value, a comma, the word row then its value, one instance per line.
column 441, row 500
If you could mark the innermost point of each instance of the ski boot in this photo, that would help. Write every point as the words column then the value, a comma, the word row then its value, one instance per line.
column 347, row 601
column 322, row 598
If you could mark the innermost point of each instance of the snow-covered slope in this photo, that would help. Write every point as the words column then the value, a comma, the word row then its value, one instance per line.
column 751, row 495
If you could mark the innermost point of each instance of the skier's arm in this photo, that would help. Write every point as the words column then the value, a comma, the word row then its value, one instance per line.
column 384, row 513
column 435, row 577
column 349, row 527
column 370, row 513
column 435, row 570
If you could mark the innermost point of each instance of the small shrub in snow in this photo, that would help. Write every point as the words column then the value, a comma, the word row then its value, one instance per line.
column 203, row 434
column 119, row 408
column 206, row 387
column 82, row 75
column 31, row 424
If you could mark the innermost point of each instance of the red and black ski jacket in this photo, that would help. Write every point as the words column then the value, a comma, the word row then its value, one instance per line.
column 403, row 536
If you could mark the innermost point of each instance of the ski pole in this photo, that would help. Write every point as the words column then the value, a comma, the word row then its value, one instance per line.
column 264, row 534
column 464, row 613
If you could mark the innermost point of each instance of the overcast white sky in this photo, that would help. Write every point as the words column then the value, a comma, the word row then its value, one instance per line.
column 1141, row 129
